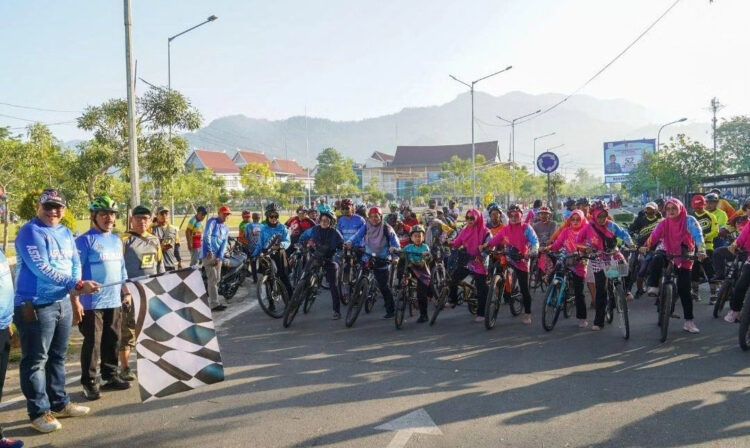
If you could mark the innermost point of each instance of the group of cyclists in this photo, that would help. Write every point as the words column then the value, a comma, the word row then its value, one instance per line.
column 445, row 259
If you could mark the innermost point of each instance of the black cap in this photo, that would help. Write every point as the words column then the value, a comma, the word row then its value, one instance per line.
column 52, row 196
column 141, row 210
column 162, row 210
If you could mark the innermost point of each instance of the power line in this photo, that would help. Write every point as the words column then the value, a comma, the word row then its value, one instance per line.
column 59, row 123
column 40, row 108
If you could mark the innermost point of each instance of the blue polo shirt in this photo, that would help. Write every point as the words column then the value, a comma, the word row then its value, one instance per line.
column 102, row 261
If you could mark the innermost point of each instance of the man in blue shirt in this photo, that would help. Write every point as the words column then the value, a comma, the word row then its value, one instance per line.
column 215, row 239
column 349, row 223
column 6, row 331
column 49, row 283
column 102, row 260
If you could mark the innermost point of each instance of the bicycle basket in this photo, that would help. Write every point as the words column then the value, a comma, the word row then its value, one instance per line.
column 615, row 269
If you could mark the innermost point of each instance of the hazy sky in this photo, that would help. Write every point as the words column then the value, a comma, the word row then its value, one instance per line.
column 349, row 60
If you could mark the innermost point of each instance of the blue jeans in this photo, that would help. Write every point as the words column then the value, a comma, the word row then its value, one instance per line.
column 44, row 344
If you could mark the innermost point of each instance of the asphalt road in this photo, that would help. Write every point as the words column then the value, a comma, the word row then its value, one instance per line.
column 459, row 385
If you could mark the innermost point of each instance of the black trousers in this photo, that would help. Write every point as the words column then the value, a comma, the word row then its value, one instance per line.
column 480, row 282
column 577, row 283
column 423, row 291
column 740, row 289
column 101, row 337
column 523, row 285
column 721, row 257
column 600, row 280
column 4, row 354
column 281, row 270
column 381, row 276
column 332, row 273
column 706, row 265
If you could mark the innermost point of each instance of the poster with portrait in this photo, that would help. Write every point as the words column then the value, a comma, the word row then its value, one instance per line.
column 620, row 158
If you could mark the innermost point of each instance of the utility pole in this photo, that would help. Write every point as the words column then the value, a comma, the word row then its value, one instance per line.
column 715, row 107
column 135, row 190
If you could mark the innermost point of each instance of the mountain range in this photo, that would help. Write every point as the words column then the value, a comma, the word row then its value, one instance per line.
column 582, row 124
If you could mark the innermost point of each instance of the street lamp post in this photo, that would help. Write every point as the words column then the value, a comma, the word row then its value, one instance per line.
column 658, row 136
column 533, row 161
column 512, row 152
column 473, row 149
column 169, row 48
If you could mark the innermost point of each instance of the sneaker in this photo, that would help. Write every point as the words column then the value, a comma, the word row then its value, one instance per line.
column 595, row 328
column 91, row 391
column 479, row 320
column 219, row 308
column 46, row 423
column 116, row 383
column 629, row 296
column 695, row 296
column 732, row 316
column 336, row 316
column 527, row 319
column 389, row 315
column 10, row 443
column 582, row 323
column 653, row 291
column 690, row 327
column 127, row 374
column 422, row 319
column 71, row 410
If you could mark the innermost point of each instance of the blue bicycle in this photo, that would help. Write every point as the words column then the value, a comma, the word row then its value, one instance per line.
column 559, row 297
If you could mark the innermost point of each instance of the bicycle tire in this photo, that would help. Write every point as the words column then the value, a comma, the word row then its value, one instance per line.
column 569, row 306
column 401, row 302
column 516, row 302
column 609, row 310
column 439, row 303
column 265, row 298
column 345, row 285
column 298, row 295
column 665, row 307
column 725, row 291
column 744, row 334
column 622, row 312
column 438, row 276
column 492, row 307
column 356, row 301
column 310, row 295
column 370, row 302
column 551, row 310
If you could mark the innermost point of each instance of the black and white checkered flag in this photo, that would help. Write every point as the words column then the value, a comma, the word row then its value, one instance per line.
column 176, row 342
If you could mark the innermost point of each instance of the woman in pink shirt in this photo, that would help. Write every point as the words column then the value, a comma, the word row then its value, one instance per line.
column 471, row 238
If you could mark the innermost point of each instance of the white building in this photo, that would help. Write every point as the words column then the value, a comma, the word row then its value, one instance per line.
column 219, row 163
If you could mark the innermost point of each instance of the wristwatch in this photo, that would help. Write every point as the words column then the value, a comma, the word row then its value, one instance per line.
column 79, row 285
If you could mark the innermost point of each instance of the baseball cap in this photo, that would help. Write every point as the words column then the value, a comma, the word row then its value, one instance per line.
column 652, row 205
column 141, row 210
column 544, row 209
column 224, row 210
column 52, row 196
column 162, row 210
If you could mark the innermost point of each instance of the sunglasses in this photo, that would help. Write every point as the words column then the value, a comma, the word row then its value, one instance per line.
column 273, row 216
column 575, row 219
column 50, row 207
column 470, row 218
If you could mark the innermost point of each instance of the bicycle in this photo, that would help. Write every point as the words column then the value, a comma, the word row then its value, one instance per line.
column 615, row 269
column 306, row 288
column 726, row 290
column 348, row 274
column 559, row 297
column 270, row 291
column 365, row 289
column 407, row 294
column 667, row 290
column 467, row 292
column 496, row 287
column 537, row 277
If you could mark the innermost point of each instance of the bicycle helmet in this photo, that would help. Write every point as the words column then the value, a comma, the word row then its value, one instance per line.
column 583, row 201
column 325, row 210
column 271, row 208
column 698, row 201
column 415, row 229
column 545, row 209
column 393, row 206
column 361, row 210
column 301, row 208
column 374, row 209
column 346, row 203
column 712, row 197
column 391, row 219
column 103, row 203
column 492, row 205
column 202, row 209
column 515, row 208
column 245, row 213
column 495, row 208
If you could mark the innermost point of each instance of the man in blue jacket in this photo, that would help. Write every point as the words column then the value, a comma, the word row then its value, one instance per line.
column 326, row 238
column 102, row 260
column 6, row 332
column 270, row 228
column 46, row 302
column 215, row 239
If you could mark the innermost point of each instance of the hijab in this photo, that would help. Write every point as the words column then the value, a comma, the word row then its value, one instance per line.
column 675, row 230
column 595, row 222
column 581, row 215
column 474, row 235
column 375, row 236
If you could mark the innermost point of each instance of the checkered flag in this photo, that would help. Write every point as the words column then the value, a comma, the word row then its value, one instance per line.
column 176, row 342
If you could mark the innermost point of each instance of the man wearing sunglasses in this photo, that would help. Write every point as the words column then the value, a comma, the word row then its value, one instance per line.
column 269, row 228
column 48, row 282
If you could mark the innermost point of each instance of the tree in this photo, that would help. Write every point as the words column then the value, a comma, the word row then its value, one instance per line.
column 335, row 174
column 160, row 154
column 196, row 187
column 373, row 193
column 289, row 192
column 734, row 139
column 258, row 181
column 457, row 175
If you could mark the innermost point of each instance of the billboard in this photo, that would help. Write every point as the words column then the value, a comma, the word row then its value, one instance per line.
column 621, row 157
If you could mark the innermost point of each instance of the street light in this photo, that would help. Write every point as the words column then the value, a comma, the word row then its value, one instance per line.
column 210, row 18
column 473, row 150
column 533, row 161
column 512, row 152
column 658, row 136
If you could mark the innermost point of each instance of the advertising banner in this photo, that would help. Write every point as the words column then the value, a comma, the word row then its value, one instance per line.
column 620, row 158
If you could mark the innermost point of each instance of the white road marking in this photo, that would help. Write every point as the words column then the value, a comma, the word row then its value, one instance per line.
column 415, row 422
column 14, row 400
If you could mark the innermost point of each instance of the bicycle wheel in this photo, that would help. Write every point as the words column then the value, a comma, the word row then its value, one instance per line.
column 492, row 306
column 665, row 307
column 622, row 312
column 725, row 291
column 609, row 311
column 551, row 311
column 371, row 294
column 310, row 293
column 569, row 307
column 401, row 303
column 744, row 336
column 298, row 295
column 272, row 296
column 438, row 303
column 344, row 283
column 356, row 301
column 438, row 276
column 515, row 301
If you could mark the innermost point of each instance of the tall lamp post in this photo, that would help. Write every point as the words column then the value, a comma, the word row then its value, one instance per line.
column 210, row 18
column 658, row 136
column 533, row 161
column 512, row 123
column 473, row 149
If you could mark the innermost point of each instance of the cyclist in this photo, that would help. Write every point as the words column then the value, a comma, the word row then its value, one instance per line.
column 679, row 233
column 740, row 289
column 349, row 223
column 496, row 219
column 324, row 236
column 641, row 228
column 297, row 225
column 245, row 221
column 169, row 237
column 402, row 231
column 723, row 203
column 194, row 234
column 377, row 238
column 252, row 233
column 410, row 218
column 102, row 260
column 601, row 234
column 584, row 205
column 393, row 207
column 570, row 205
column 430, row 212
column 567, row 240
column 532, row 216
column 415, row 254
column 519, row 236
column 710, row 228
column 453, row 210
column 474, row 234
column 268, row 229
column 722, row 219
column 361, row 210
column 544, row 228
